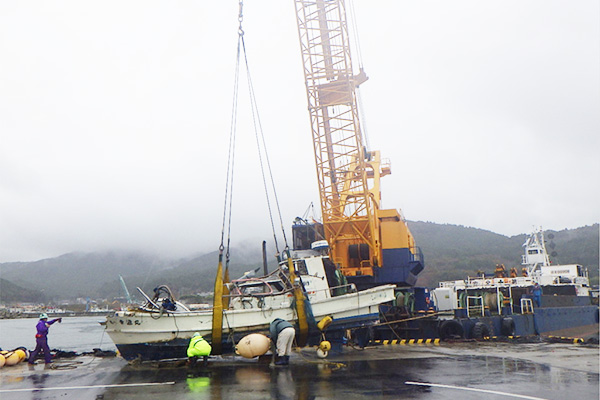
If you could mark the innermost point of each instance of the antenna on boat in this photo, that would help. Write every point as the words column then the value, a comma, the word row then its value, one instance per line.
column 264, row 255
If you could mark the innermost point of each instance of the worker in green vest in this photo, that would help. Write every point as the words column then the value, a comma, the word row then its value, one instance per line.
column 198, row 348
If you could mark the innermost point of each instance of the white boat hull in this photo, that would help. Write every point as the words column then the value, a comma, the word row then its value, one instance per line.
column 153, row 335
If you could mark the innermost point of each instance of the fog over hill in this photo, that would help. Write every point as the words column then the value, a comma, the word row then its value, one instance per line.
column 454, row 252
column 96, row 275
column 450, row 251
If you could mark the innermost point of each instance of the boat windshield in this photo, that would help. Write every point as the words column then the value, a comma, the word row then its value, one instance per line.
column 258, row 287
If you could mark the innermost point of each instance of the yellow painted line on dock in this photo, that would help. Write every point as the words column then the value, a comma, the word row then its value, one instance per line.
column 408, row 342
column 567, row 339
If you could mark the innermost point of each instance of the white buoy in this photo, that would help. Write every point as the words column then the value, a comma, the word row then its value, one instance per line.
column 253, row 345
column 321, row 353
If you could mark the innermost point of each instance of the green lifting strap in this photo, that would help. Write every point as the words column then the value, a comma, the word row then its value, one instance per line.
column 300, row 310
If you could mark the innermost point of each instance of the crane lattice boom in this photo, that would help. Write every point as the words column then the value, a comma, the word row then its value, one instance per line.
column 355, row 227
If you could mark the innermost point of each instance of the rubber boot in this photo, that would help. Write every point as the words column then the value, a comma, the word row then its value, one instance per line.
column 281, row 360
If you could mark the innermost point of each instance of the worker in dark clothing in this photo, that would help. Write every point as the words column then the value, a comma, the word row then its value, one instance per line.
column 282, row 335
column 500, row 271
column 41, row 339
column 537, row 294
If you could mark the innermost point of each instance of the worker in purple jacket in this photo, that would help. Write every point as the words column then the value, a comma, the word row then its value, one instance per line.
column 41, row 339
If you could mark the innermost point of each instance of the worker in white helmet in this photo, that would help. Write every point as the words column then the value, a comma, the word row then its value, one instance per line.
column 41, row 339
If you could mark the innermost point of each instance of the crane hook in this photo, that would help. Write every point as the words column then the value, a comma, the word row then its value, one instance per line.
column 241, row 19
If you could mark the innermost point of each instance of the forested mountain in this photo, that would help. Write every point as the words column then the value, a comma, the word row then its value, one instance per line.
column 96, row 275
column 194, row 275
column 9, row 290
column 79, row 274
column 450, row 251
column 454, row 252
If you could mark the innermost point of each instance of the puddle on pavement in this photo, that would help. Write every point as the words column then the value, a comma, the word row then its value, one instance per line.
column 360, row 379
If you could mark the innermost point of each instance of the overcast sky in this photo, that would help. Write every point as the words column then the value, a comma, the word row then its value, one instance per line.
column 115, row 116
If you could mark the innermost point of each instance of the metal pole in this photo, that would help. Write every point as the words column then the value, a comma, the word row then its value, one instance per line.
column 264, row 254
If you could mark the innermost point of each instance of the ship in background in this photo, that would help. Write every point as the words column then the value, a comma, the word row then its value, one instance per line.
column 370, row 245
column 542, row 299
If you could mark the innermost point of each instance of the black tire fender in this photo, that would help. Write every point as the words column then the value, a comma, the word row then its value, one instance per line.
column 508, row 327
column 451, row 329
column 480, row 330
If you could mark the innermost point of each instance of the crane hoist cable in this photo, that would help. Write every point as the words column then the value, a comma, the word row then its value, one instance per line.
column 261, row 146
column 219, row 288
column 355, row 36
column 358, row 52
column 221, row 297
column 265, row 165
column 301, row 302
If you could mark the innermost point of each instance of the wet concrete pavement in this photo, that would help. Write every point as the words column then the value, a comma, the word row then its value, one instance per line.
column 460, row 370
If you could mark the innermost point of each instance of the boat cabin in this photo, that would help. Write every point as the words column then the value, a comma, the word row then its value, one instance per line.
column 318, row 276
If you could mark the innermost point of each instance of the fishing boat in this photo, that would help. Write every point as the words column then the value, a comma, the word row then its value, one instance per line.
column 307, row 289
column 162, row 327
column 542, row 299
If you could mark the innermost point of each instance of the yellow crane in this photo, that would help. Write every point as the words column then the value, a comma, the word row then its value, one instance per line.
column 369, row 244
